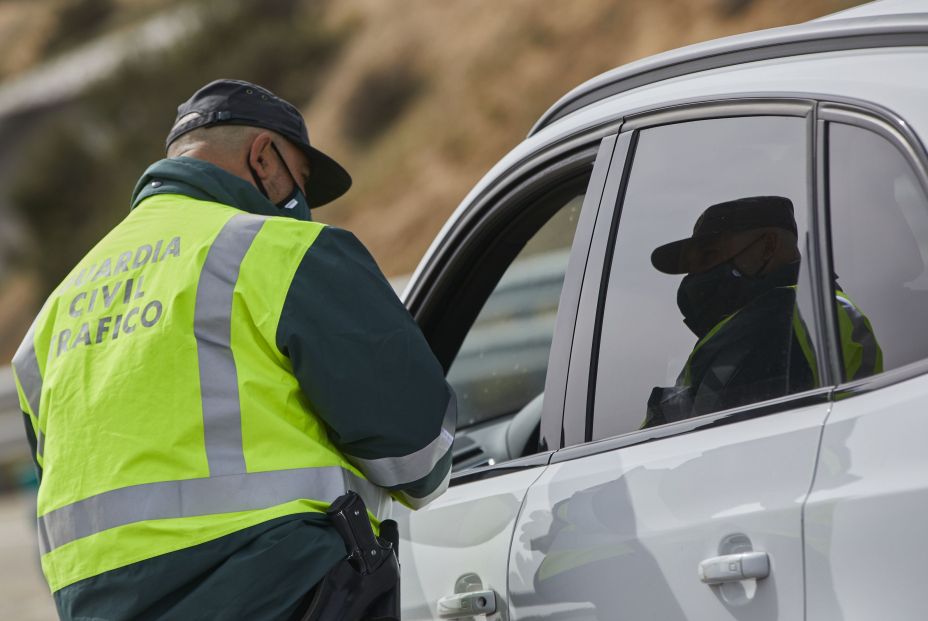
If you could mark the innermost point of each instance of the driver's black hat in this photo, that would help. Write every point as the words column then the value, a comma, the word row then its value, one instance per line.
column 743, row 214
column 235, row 102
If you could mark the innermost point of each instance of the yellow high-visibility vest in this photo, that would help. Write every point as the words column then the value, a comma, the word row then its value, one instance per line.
column 165, row 414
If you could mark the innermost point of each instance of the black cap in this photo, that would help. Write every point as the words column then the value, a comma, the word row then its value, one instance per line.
column 743, row 214
column 235, row 102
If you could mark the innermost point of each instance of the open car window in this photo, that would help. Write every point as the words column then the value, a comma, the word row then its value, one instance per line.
column 502, row 362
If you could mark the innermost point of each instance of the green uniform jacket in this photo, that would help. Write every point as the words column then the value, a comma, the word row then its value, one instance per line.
column 333, row 383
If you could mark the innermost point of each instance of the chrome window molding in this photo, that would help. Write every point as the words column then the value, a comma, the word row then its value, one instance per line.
column 792, row 105
column 690, row 425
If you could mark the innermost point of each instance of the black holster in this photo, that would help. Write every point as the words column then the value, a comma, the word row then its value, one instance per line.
column 365, row 585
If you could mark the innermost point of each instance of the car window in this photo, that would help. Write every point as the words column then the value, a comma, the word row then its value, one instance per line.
column 502, row 362
column 704, row 306
column 879, row 225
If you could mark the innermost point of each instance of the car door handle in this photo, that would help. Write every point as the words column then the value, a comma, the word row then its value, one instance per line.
column 735, row 567
column 467, row 604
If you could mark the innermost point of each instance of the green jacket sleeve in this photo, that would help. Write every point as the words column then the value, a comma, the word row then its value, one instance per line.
column 33, row 445
column 367, row 370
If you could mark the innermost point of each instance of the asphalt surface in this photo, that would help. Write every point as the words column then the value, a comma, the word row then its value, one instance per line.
column 24, row 595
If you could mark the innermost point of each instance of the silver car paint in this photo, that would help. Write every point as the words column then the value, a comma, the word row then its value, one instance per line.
column 876, row 468
column 619, row 535
column 468, row 529
column 865, row 520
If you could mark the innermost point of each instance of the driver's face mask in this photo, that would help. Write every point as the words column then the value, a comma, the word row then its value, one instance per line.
column 708, row 297
column 295, row 203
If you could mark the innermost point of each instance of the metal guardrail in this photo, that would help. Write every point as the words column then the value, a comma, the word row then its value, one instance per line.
column 69, row 75
column 13, row 446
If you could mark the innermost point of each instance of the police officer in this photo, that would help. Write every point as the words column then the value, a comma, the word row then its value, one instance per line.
column 739, row 298
column 214, row 373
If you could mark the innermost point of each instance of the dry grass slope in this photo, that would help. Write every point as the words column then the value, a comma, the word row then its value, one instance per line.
column 417, row 98
column 487, row 70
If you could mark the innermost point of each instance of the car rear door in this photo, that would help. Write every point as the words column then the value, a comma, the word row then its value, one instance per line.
column 493, row 300
column 865, row 538
column 619, row 523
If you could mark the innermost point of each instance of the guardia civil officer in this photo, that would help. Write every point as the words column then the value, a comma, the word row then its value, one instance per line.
column 214, row 373
column 739, row 298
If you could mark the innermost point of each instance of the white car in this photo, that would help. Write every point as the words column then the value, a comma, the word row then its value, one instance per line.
column 807, row 502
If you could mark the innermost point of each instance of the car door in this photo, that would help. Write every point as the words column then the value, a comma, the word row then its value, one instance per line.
column 865, row 540
column 489, row 299
column 619, row 523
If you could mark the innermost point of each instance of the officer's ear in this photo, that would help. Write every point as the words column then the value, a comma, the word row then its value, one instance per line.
column 260, row 156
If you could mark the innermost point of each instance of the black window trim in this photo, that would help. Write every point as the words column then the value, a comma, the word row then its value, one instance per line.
column 552, row 415
column 577, row 384
column 895, row 130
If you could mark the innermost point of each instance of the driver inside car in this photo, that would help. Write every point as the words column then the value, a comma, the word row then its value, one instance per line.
column 739, row 298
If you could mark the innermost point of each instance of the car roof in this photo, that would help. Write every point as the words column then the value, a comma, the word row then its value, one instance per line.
column 877, row 24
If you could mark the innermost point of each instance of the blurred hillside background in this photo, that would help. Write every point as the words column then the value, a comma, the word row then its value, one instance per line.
column 417, row 98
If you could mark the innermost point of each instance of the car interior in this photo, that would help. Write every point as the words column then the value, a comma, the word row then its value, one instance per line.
column 493, row 334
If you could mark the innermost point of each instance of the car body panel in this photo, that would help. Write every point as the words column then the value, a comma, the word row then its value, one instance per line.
column 620, row 534
column 865, row 537
column 466, row 530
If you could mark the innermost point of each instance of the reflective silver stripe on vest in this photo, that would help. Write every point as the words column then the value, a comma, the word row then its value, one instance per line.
column 392, row 471
column 26, row 365
column 418, row 503
column 212, row 325
column 194, row 497
column 861, row 335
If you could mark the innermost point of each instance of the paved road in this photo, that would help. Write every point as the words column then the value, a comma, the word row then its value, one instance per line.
column 23, row 593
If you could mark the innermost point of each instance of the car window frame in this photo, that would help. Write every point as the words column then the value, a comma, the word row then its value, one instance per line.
column 484, row 222
column 898, row 133
column 580, row 406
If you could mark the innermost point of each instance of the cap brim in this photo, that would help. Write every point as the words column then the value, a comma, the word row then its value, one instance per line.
column 670, row 258
column 327, row 178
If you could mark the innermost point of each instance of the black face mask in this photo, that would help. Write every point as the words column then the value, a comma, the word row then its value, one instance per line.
column 706, row 298
column 295, row 201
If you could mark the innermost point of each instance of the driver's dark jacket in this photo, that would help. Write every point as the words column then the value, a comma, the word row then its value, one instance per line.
column 760, row 352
